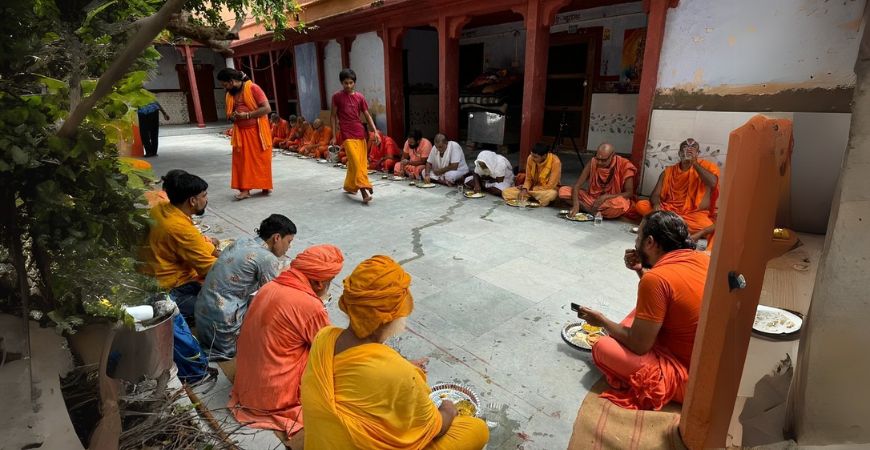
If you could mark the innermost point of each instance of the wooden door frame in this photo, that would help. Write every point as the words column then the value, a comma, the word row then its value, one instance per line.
column 590, row 36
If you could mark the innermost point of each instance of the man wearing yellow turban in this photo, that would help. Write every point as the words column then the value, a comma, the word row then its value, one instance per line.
column 276, row 334
column 360, row 393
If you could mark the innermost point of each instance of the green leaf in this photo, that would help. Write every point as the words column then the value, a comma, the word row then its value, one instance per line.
column 18, row 155
column 93, row 13
column 52, row 84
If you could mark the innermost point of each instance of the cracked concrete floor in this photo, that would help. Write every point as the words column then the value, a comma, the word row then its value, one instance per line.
column 492, row 284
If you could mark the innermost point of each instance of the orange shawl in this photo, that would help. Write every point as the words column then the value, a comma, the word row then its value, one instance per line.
column 545, row 175
column 265, row 130
column 684, row 191
column 609, row 180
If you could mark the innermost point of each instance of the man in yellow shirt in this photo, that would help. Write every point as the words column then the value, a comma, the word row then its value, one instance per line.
column 179, row 256
column 359, row 393
column 543, row 173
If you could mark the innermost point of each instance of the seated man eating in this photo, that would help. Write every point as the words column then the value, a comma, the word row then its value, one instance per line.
column 360, row 393
column 446, row 165
column 493, row 173
column 383, row 157
column 543, row 172
column 646, row 357
column 611, row 185
column 276, row 336
column 240, row 271
column 280, row 129
column 414, row 155
column 317, row 144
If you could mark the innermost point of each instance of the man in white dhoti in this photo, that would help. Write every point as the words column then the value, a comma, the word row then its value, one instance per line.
column 446, row 164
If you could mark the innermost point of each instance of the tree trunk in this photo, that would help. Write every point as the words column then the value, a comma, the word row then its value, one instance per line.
column 141, row 38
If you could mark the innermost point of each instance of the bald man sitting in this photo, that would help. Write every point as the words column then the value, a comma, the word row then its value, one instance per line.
column 610, row 188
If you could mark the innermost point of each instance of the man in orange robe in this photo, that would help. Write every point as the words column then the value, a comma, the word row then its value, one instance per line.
column 689, row 188
column 360, row 393
column 248, row 108
column 273, row 344
column 611, row 185
column 280, row 130
column 414, row 155
column 301, row 135
column 385, row 156
column 646, row 357
column 317, row 145
column 292, row 122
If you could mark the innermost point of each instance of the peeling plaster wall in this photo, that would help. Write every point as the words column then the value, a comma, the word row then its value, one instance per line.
column 367, row 60
column 331, row 68
column 307, row 81
column 751, row 46
column 723, row 62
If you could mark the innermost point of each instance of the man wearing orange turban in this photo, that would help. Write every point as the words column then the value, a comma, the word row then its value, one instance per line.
column 360, row 393
column 277, row 333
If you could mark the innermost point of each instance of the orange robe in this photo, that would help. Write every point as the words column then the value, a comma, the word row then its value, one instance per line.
column 177, row 253
column 272, row 351
column 387, row 150
column 682, row 192
column 302, row 134
column 251, row 142
column 670, row 294
column 317, row 145
column 280, row 132
column 605, row 181
column 419, row 154
column 290, row 135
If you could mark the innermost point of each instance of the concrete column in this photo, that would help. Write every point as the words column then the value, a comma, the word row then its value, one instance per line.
column 657, row 14
column 830, row 399
column 394, row 83
column 448, row 74
column 194, row 91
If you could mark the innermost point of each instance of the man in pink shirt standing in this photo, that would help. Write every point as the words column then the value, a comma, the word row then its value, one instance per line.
column 347, row 105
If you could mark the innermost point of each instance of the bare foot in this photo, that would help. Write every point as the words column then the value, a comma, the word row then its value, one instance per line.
column 366, row 198
column 243, row 195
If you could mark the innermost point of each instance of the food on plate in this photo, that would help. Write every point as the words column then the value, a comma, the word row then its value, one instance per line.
column 465, row 408
column 591, row 329
column 773, row 321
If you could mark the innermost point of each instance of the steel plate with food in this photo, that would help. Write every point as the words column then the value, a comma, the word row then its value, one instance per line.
column 475, row 195
column 581, row 335
column 225, row 243
column 397, row 178
column 426, row 185
column 580, row 217
column 467, row 402
column 516, row 204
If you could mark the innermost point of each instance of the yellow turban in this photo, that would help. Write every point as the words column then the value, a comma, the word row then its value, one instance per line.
column 376, row 293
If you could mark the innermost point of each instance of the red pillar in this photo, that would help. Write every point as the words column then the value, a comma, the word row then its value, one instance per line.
column 448, row 74
column 346, row 43
column 657, row 14
column 394, row 81
column 194, row 91
column 539, row 16
column 251, row 65
column 274, row 83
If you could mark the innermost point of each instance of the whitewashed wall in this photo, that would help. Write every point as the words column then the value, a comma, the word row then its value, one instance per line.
column 367, row 60
column 331, row 68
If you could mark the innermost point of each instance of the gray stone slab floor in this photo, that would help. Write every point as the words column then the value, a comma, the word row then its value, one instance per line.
column 492, row 284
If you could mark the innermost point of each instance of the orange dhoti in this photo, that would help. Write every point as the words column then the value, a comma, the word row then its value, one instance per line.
column 610, row 209
column 649, row 381
column 402, row 170
column 357, row 166
column 696, row 220
column 252, row 164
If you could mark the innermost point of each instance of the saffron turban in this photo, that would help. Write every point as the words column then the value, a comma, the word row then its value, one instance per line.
column 319, row 262
column 376, row 293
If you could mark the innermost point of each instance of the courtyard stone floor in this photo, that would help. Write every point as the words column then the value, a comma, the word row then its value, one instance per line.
column 492, row 284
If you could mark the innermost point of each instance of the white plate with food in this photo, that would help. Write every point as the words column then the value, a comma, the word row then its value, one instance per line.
column 474, row 195
column 465, row 400
column 776, row 322
column 397, row 178
column 581, row 335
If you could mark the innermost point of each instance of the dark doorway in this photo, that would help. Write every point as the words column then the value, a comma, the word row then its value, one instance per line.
column 420, row 73
column 204, row 74
column 571, row 69
column 470, row 63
